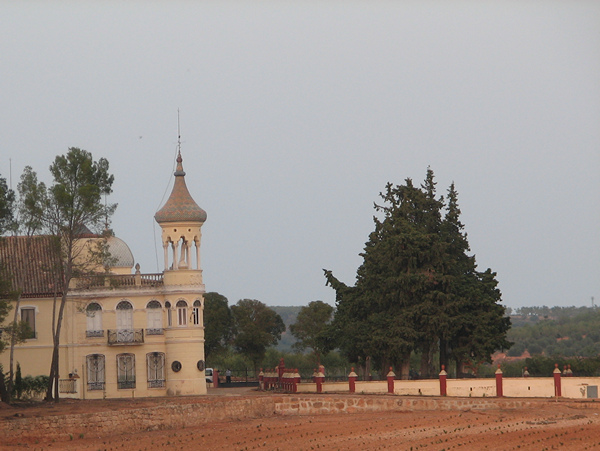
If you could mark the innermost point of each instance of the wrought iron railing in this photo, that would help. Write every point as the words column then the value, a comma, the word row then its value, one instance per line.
column 158, row 383
column 125, row 336
column 126, row 384
column 95, row 386
column 94, row 333
column 155, row 331
column 67, row 385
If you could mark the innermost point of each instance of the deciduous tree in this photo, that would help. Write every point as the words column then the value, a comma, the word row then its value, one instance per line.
column 256, row 327
column 218, row 324
column 72, row 204
column 310, row 326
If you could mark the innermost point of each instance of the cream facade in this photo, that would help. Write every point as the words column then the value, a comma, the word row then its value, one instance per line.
column 125, row 333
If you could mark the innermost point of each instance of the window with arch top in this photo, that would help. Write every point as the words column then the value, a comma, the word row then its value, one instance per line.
column 182, row 307
column 154, row 325
column 93, row 312
column 196, row 313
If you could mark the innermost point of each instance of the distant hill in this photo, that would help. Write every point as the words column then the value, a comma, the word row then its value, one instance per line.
column 556, row 331
column 288, row 315
column 549, row 331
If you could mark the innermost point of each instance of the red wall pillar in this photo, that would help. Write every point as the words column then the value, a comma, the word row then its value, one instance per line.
column 499, row 392
column 352, row 380
column 443, row 376
column 557, row 375
column 390, row 381
column 216, row 378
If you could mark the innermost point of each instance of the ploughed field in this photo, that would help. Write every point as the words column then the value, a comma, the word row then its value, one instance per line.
column 554, row 426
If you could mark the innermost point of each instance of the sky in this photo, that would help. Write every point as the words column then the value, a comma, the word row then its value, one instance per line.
column 295, row 114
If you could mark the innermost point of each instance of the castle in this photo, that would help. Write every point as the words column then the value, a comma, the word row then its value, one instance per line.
column 125, row 334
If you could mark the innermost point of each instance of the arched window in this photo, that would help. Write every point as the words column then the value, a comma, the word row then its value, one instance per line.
column 196, row 313
column 154, row 318
column 94, row 320
column 155, row 362
column 169, row 314
column 95, row 372
column 125, row 322
column 125, row 371
column 182, row 313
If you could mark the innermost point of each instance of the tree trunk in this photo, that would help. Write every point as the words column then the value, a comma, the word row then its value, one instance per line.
column 443, row 354
column 13, row 340
column 427, row 361
column 55, row 354
column 405, row 368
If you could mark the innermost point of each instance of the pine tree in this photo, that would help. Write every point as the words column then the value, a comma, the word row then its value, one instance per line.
column 417, row 288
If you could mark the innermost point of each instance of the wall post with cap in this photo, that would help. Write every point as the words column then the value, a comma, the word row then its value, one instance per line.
column 443, row 376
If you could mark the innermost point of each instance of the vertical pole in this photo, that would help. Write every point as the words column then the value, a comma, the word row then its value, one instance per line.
column 499, row 391
column 390, row 381
column 557, row 388
column 216, row 378
column 261, row 380
column 352, row 381
column 443, row 376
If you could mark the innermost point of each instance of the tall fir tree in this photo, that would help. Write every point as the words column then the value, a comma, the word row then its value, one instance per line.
column 417, row 288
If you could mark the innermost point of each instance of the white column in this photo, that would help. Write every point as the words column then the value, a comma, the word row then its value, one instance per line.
column 166, row 253
column 174, row 246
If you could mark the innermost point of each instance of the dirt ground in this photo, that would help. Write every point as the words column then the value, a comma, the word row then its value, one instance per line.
column 557, row 426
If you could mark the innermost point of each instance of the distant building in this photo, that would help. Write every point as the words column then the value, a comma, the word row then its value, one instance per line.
column 124, row 333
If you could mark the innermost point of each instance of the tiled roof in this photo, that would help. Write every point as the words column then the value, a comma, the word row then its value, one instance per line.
column 120, row 252
column 180, row 206
column 28, row 262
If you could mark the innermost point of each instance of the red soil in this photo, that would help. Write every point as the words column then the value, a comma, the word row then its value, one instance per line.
column 557, row 426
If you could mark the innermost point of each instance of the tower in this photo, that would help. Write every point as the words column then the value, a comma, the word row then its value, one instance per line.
column 181, row 220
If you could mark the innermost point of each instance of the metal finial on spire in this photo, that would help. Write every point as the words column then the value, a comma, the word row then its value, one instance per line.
column 178, row 133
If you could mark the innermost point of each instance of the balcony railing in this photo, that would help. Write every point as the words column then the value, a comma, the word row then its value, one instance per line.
column 155, row 331
column 125, row 336
column 94, row 333
column 119, row 281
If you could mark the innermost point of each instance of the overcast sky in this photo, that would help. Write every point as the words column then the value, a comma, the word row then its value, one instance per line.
column 294, row 116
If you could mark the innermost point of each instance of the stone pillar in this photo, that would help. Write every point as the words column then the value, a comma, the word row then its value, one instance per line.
column 443, row 376
column 390, row 381
column 525, row 372
column 499, row 392
column 352, row 380
column 569, row 371
column 557, row 388
column 261, row 380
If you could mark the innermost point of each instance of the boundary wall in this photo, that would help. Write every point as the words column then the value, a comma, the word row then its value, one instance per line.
column 194, row 412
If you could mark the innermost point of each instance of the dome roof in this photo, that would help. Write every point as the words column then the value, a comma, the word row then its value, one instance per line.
column 120, row 253
column 180, row 206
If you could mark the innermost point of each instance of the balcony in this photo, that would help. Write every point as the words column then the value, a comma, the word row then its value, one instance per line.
column 94, row 333
column 125, row 336
column 109, row 281
column 156, row 331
